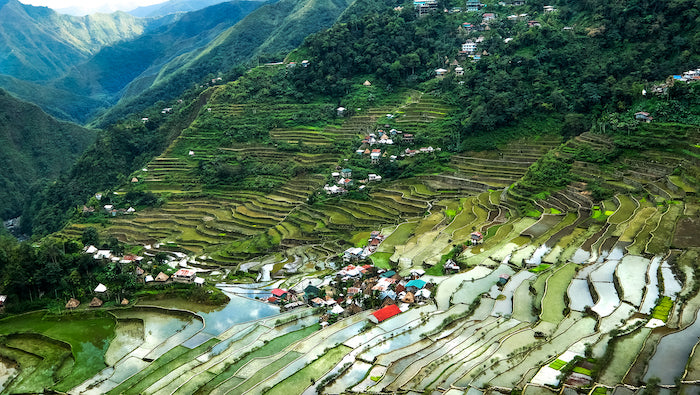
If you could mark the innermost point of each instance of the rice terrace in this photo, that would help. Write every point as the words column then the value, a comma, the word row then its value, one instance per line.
column 283, row 246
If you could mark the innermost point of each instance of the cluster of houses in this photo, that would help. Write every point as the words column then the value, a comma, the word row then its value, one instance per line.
column 343, row 179
column 688, row 76
column 355, row 254
column 421, row 150
column 358, row 288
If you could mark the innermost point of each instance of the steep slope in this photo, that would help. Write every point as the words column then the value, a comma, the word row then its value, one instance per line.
column 171, row 7
column 33, row 147
column 38, row 44
column 271, row 29
column 114, row 67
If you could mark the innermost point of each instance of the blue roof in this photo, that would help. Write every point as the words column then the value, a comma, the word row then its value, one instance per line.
column 677, row 77
column 416, row 283
column 388, row 274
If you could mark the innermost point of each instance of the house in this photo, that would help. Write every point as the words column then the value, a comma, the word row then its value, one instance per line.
column 549, row 8
column 161, row 277
column 340, row 111
column 425, row 6
column 440, row 73
column 311, row 292
column 317, row 302
column 384, row 313
column 134, row 180
column 367, row 83
column 450, row 266
column 199, row 281
column 374, row 177
column 346, row 173
column 489, row 16
column 474, row 5
column 96, row 302
column 148, row 279
column 476, row 237
column 416, row 284
column 352, row 254
column 469, row 47
column 124, row 302
column 184, row 276
column 375, row 155
column 337, row 309
column 305, row 63
column 101, row 288
column 3, row 298
column 459, row 70
column 408, row 298
column 334, row 190
column 408, row 138
column 72, row 303
column 280, row 293
column 533, row 24
column 643, row 116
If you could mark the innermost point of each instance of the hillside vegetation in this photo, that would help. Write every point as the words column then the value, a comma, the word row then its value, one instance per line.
column 34, row 149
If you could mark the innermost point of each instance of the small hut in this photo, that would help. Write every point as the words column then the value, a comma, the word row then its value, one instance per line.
column 96, row 302
column 72, row 303
column 408, row 298
column 162, row 277
column 125, row 302
column 367, row 83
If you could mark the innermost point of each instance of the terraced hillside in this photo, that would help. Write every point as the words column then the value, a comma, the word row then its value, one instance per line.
column 228, row 216
column 600, row 291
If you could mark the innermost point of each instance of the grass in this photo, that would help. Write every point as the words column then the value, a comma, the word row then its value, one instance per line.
column 540, row 268
column 581, row 370
column 557, row 364
column 268, row 370
column 662, row 309
column 553, row 303
column 87, row 333
column 299, row 381
column 360, row 239
column 381, row 259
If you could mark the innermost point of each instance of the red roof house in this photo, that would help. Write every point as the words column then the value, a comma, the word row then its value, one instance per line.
column 384, row 313
column 280, row 293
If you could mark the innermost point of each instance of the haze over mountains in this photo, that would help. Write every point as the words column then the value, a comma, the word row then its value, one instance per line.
column 77, row 67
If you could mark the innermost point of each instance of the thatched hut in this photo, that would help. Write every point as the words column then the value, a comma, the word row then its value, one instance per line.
column 162, row 277
column 96, row 302
column 72, row 303
column 125, row 302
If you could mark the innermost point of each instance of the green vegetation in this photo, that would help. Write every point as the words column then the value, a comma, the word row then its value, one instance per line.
column 35, row 149
column 84, row 335
column 662, row 309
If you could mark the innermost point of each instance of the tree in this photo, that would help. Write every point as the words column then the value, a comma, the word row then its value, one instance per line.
column 90, row 236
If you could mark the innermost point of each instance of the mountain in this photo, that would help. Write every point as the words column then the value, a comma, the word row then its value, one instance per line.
column 171, row 7
column 34, row 147
column 39, row 44
column 114, row 67
column 268, row 32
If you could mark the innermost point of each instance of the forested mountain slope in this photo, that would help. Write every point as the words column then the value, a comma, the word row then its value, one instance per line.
column 172, row 6
column 39, row 44
column 137, row 62
column 266, row 33
column 34, row 148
